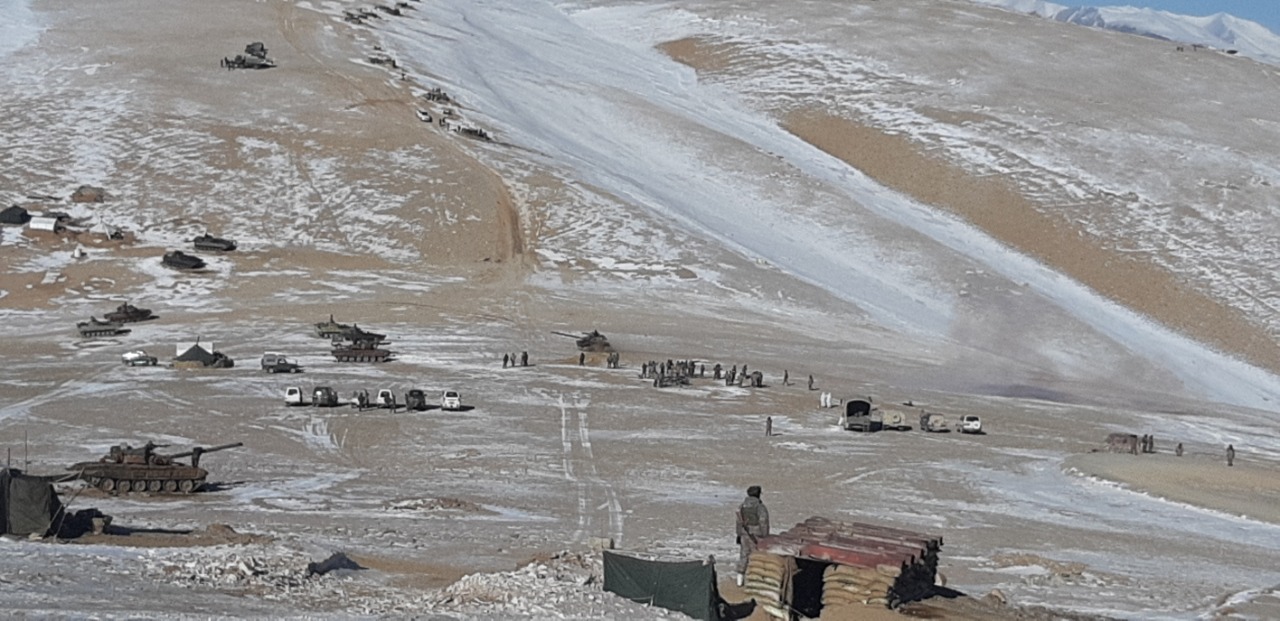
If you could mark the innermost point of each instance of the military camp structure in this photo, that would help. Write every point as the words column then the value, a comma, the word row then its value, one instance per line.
column 822, row 563
column 28, row 505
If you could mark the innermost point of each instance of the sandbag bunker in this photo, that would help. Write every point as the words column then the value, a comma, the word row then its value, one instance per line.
column 826, row 563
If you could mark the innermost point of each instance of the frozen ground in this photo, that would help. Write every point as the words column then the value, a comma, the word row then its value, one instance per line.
column 673, row 215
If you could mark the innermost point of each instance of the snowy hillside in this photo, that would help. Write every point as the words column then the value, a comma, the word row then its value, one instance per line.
column 1220, row 30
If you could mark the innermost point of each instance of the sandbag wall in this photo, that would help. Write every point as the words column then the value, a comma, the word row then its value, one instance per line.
column 866, row 563
column 768, row 580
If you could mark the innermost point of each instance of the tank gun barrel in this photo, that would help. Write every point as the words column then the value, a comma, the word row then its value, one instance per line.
column 572, row 336
column 202, row 450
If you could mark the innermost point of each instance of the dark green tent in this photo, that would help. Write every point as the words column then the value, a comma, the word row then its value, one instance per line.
column 683, row 586
column 27, row 504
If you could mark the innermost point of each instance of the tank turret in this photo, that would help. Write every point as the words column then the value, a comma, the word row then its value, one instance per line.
column 126, row 468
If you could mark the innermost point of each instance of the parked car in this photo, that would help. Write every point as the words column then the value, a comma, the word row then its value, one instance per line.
column 386, row 399
column 278, row 363
column 970, row 424
column 450, row 400
column 138, row 358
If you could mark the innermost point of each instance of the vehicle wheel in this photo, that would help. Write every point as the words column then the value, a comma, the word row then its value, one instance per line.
column 107, row 485
column 186, row 486
column 171, row 486
column 154, row 485
column 124, row 487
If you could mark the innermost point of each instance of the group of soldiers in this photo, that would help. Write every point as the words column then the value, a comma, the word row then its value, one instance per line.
column 510, row 359
column 1147, row 444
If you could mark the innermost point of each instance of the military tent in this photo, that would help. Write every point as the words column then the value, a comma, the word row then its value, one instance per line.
column 27, row 504
column 682, row 586
column 196, row 353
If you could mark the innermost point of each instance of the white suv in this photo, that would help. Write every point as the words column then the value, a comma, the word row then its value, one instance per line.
column 451, row 400
column 970, row 424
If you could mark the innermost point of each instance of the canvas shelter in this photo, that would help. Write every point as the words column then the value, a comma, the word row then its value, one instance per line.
column 683, row 586
column 28, row 505
column 196, row 353
column 14, row 215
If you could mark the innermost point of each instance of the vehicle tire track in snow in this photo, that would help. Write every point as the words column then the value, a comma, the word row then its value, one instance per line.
column 65, row 389
column 594, row 493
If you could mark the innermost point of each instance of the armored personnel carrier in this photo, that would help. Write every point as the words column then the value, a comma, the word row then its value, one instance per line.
column 127, row 469
column 180, row 260
column 94, row 327
column 128, row 313
column 213, row 244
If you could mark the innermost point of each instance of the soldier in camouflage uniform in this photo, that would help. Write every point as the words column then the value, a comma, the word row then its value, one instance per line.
column 752, row 524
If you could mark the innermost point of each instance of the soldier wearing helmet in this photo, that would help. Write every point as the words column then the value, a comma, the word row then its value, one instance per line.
column 752, row 523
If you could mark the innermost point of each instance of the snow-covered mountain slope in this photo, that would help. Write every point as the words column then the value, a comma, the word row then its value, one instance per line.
column 582, row 86
column 1220, row 30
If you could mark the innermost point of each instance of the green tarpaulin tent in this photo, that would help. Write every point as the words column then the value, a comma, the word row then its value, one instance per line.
column 683, row 586
column 27, row 504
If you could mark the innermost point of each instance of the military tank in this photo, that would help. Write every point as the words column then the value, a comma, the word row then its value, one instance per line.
column 361, row 351
column 95, row 327
column 128, row 313
column 589, row 341
column 331, row 329
column 127, row 469
column 357, row 335
column 180, row 260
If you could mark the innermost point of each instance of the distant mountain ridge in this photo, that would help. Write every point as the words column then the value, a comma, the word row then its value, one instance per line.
column 1220, row 30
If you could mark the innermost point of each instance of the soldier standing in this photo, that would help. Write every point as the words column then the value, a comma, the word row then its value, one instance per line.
column 752, row 523
column 768, row 426
column 1231, row 455
column 505, row 359
column 785, row 376
column 810, row 382
column 1178, row 451
column 582, row 359
column 524, row 359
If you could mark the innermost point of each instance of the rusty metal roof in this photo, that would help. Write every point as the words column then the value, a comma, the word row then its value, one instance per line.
column 852, row 543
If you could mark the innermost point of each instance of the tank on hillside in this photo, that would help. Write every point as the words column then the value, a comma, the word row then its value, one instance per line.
column 96, row 327
column 180, row 260
column 589, row 341
column 126, row 469
column 128, row 313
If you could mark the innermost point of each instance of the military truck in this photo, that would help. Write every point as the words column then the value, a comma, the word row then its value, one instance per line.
column 859, row 415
